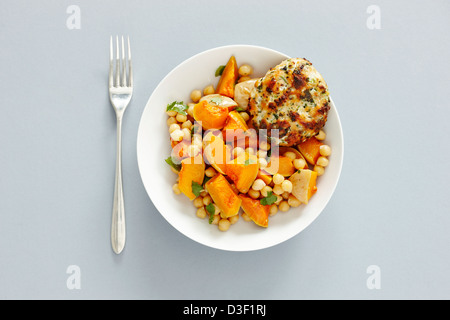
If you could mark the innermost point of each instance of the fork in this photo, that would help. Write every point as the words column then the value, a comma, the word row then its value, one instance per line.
column 120, row 92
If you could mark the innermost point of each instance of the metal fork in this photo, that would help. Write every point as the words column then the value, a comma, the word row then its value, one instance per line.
column 120, row 92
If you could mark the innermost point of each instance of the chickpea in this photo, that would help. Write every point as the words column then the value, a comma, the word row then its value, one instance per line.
column 233, row 186
column 279, row 199
column 290, row 155
column 264, row 145
column 242, row 79
column 245, row 70
column 286, row 185
column 246, row 217
column 176, row 189
column 262, row 163
column 273, row 210
column 321, row 135
column 209, row 90
column 193, row 150
column 320, row 170
column 204, row 193
column 265, row 191
column 299, row 163
column 325, row 150
column 277, row 178
column 187, row 124
column 190, row 109
column 198, row 202
column 210, row 172
column 284, row 206
column 261, row 153
column 207, row 200
column 322, row 161
column 171, row 121
column 285, row 195
column 237, row 151
column 196, row 95
column 277, row 189
column 224, row 224
column 250, row 151
column 201, row 213
column 181, row 117
column 216, row 220
column 258, row 184
column 233, row 219
column 173, row 127
column 244, row 116
column 254, row 193
column 177, row 135
column 293, row 201
column 171, row 113
column 186, row 134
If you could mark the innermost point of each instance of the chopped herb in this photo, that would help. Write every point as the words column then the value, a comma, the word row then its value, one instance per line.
column 269, row 200
column 211, row 210
column 219, row 71
column 177, row 106
column 205, row 180
column 216, row 100
column 174, row 165
column 239, row 109
column 249, row 161
column 285, row 80
column 196, row 188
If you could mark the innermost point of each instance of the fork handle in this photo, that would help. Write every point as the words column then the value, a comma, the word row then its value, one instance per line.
column 118, row 215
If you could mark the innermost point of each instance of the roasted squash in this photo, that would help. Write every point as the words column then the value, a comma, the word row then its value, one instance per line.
column 255, row 210
column 235, row 127
column 228, row 78
column 281, row 164
column 310, row 149
column 210, row 115
column 223, row 195
column 192, row 169
column 304, row 184
column 243, row 171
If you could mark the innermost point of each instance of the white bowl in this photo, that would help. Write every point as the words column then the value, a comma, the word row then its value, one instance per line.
column 153, row 148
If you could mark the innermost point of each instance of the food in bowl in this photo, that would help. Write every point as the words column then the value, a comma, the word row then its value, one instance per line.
column 231, row 162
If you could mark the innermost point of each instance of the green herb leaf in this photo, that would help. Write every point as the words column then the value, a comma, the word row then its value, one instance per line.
column 219, row 71
column 174, row 165
column 216, row 100
column 205, row 180
column 196, row 188
column 249, row 161
column 269, row 200
column 239, row 109
column 177, row 106
column 211, row 210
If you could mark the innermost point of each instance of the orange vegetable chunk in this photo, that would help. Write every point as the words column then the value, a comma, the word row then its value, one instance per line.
column 310, row 149
column 255, row 210
column 192, row 169
column 236, row 127
column 216, row 152
column 243, row 171
column 211, row 116
column 281, row 164
column 223, row 195
column 228, row 78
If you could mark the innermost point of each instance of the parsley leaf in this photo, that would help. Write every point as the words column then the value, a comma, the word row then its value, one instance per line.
column 216, row 100
column 239, row 109
column 249, row 161
column 174, row 165
column 205, row 180
column 219, row 71
column 177, row 106
column 196, row 188
column 211, row 210
column 269, row 200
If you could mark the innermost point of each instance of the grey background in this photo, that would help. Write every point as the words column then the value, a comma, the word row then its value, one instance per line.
column 57, row 140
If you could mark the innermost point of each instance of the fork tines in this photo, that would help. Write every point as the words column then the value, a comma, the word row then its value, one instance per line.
column 119, row 77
